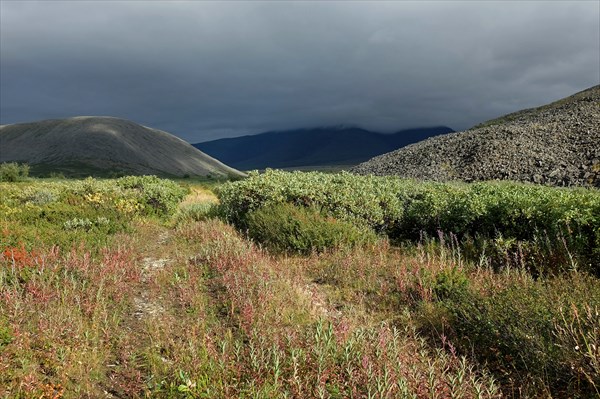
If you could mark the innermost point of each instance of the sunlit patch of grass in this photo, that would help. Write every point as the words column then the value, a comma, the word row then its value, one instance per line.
column 199, row 194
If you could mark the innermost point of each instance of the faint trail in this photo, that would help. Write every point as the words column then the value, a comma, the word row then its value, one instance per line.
column 156, row 253
column 151, row 244
column 319, row 305
column 163, row 238
column 154, row 246
column 144, row 304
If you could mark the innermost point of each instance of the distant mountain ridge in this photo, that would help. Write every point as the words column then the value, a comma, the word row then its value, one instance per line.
column 99, row 145
column 333, row 145
column 555, row 144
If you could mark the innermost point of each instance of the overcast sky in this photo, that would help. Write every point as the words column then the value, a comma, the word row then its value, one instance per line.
column 204, row 70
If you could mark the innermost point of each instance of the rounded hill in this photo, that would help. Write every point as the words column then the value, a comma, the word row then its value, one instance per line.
column 556, row 144
column 101, row 145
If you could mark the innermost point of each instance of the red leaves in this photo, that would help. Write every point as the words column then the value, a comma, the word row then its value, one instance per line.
column 20, row 257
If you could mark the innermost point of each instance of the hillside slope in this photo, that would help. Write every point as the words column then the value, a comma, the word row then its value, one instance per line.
column 556, row 144
column 96, row 145
column 339, row 145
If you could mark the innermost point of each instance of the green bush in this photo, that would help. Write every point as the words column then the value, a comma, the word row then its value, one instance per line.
column 366, row 201
column 544, row 330
column 6, row 336
column 289, row 228
column 159, row 196
column 565, row 220
column 42, row 197
column 85, row 224
column 13, row 172
column 405, row 208
column 450, row 283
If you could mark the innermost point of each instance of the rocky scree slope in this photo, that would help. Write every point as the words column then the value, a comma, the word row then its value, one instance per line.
column 105, row 144
column 556, row 144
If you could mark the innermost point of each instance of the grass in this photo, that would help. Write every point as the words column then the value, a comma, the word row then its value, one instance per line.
column 173, row 302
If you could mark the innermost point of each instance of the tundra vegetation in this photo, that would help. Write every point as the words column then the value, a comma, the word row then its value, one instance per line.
column 13, row 171
column 298, row 285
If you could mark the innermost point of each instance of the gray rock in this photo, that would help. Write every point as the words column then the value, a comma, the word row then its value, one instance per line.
column 551, row 145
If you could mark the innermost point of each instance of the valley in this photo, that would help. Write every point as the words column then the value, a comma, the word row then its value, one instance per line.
column 299, row 199
column 142, row 287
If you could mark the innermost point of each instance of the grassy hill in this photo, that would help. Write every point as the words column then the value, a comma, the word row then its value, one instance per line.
column 101, row 146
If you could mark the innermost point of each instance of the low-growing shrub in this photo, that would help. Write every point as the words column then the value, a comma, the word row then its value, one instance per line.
column 289, row 228
column 450, row 283
column 565, row 220
column 12, row 171
column 6, row 336
column 57, row 175
column 538, row 330
column 57, row 212
column 160, row 196
column 42, row 197
column 85, row 224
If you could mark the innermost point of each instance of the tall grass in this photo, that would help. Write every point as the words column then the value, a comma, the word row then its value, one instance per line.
column 61, row 316
column 260, row 337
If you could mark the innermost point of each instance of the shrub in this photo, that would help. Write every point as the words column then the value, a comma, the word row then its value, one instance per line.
column 85, row 224
column 6, row 336
column 160, row 196
column 545, row 330
column 12, row 171
column 404, row 208
column 365, row 201
column 57, row 175
column 289, row 228
column 40, row 196
column 450, row 283
column 57, row 213
column 565, row 220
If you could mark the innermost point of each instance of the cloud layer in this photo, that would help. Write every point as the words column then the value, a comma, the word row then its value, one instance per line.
column 204, row 70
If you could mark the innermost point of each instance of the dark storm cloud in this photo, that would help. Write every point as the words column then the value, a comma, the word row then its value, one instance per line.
column 203, row 70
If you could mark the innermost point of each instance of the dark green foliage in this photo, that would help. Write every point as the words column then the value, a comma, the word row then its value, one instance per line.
column 361, row 200
column 12, row 172
column 450, row 283
column 6, row 336
column 546, row 330
column 289, row 228
column 565, row 220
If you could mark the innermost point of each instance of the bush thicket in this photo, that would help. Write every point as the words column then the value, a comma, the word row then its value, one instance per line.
column 513, row 216
column 289, row 228
column 548, row 329
column 59, row 212
column 12, row 172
